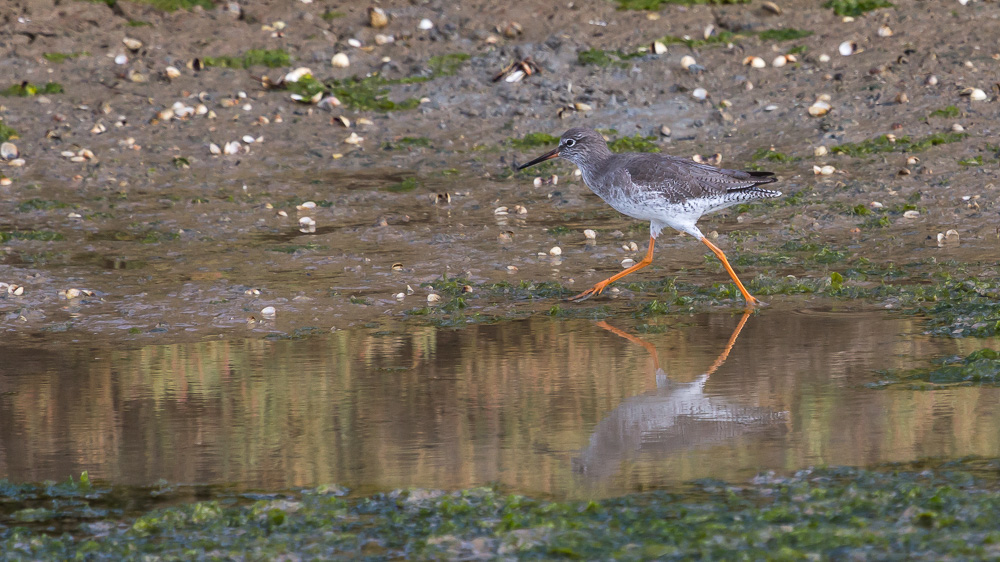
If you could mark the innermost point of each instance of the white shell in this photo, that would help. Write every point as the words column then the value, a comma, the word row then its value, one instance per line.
column 425, row 24
column 340, row 60
column 268, row 311
column 8, row 151
column 820, row 151
column 354, row 43
column 699, row 93
column 298, row 74
column 847, row 48
column 231, row 147
column 121, row 59
column 354, row 139
column 627, row 263
column 977, row 95
column 433, row 297
column 687, row 61
column 824, row 58
column 555, row 251
column 885, row 31
column 819, row 108
column 214, row 149
column 911, row 214
column 171, row 72
column 659, row 48
column 132, row 44
column 824, row 170
column 779, row 61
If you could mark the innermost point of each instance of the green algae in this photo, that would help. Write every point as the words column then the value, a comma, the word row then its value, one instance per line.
column 59, row 58
column 405, row 186
column 6, row 132
column 923, row 510
column 369, row 93
column 271, row 58
column 885, row 143
column 950, row 112
column 856, row 8
column 636, row 143
column 447, row 64
column 976, row 369
column 40, row 235
column 786, row 34
column 27, row 89
column 533, row 140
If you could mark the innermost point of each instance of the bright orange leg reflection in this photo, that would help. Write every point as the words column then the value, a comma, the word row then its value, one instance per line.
column 652, row 349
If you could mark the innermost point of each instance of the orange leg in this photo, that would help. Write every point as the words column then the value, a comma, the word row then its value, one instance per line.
column 751, row 302
column 596, row 289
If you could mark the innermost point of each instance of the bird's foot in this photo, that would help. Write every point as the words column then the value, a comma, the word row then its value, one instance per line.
column 753, row 303
column 595, row 290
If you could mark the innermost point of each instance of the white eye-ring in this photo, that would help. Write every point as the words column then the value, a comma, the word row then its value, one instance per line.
column 570, row 142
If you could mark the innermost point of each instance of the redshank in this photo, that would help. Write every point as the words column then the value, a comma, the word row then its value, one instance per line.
column 664, row 190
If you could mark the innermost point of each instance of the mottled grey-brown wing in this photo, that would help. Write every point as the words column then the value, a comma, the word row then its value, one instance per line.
column 678, row 179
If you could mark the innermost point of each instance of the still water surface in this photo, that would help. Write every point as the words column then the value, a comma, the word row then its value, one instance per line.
column 565, row 408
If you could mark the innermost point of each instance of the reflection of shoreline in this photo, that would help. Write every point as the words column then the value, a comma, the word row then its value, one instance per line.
column 674, row 417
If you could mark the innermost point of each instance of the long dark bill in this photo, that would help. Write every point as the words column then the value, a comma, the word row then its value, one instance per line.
column 547, row 156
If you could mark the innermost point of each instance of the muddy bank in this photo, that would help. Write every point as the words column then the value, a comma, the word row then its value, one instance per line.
column 167, row 241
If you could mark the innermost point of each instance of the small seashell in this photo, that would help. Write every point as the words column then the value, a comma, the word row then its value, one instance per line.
column 515, row 76
column 627, row 263
column 931, row 80
column 425, row 25
column 903, row 172
column 820, row 151
column 381, row 39
column 975, row 94
column 231, row 147
column 687, row 61
column 700, row 94
column 771, row 7
column 67, row 154
column 306, row 205
column 171, row 72
column 98, row 128
column 632, row 247
column 17, row 162
column 340, row 60
column 9, row 151
column 875, row 205
column 85, row 153
column 847, row 48
column 214, row 149
column 665, row 131
column 298, row 74
column 555, row 251
column 165, row 114
column 16, row 290
column 957, row 128
column 819, row 108
column 824, row 170
column 397, row 266
column 902, row 98
column 779, row 61
column 537, row 182
column 282, row 213
column 658, row 48
column 589, row 234
column 824, row 58
column 911, row 214
column 268, row 312
column 754, row 62
column 500, row 211
column 885, row 31
column 354, row 139
column 306, row 221
column 377, row 17
column 248, row 139
column 400, row 296
column 912, row 160
column 354, row 43
column 121, row 59
column 582, row 107
column 520, row 209
column 132, row 44
column 71, row 293
column 78, row 159
column 433, row 298
column 770, row 107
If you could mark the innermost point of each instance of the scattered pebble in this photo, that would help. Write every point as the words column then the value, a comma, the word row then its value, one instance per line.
column 377, row 17
column 819, row 108
column 820, row 151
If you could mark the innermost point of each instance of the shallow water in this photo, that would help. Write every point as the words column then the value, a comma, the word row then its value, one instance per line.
column 567, row 408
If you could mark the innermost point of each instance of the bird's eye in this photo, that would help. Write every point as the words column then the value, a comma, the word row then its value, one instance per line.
column 570, row 142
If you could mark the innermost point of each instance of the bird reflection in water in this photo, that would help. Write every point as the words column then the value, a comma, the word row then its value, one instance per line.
column 674, row 417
